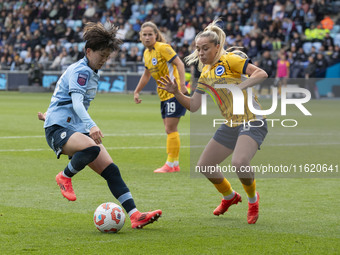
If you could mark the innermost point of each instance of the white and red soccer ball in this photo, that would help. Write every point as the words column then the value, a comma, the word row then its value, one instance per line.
column 109, row 218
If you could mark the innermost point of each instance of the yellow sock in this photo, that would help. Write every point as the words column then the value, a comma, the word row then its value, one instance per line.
column 172, row 147
column 251, row 189
column 224, row 187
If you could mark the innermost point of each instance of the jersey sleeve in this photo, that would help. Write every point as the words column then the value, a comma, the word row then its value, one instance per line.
column 237, row 63
column 79, row 79
column 78, row 107
column 167, row 52
column 200, row 86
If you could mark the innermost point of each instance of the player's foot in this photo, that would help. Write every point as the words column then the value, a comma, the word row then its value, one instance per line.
column 65, row 185
column 253, row 210
column 164, row 169
column 139, row 220
column 177, row 168
column 225, row 204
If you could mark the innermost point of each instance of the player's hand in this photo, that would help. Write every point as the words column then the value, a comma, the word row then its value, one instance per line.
column 136, row 98
column 42, row 116
column 184, row 89
column 168, row 85
column 96, row 134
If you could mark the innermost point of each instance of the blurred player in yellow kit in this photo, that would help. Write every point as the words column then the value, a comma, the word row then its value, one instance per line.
column 160, row 60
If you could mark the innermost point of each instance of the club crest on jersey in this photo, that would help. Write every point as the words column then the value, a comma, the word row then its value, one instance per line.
column 154, row 61
column 63, row 135
column 219, row 70
column 82, row 79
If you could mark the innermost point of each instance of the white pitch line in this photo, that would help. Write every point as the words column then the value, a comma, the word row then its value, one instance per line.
column 109, row 135
column 182, row 134
column 184, row 147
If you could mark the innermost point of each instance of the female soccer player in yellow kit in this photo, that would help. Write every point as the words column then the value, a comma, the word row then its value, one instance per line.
column 160, row 60
column 239, row 140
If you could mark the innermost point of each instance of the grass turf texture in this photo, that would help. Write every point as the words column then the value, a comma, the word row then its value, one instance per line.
column 297, row 215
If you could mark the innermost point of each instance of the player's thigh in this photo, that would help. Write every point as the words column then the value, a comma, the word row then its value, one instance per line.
column 245, row 149
column 171, row 124
column 77, row 142
column 213, row 154
column 102, row 161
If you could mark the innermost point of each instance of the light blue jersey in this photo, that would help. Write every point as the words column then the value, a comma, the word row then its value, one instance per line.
column 78, row 78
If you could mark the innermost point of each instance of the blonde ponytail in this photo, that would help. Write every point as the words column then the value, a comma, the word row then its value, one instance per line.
column 216, row 36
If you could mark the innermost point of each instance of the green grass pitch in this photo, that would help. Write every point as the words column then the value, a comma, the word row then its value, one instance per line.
column 297, row 215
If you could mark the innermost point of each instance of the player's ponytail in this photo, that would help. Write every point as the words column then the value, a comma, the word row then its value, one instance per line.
column 216, row 36
column 159, row 35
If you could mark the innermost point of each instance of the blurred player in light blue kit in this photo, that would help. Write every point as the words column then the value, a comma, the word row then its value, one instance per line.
column 71, row 131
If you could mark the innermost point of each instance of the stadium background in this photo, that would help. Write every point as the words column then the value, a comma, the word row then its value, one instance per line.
column 39, row 39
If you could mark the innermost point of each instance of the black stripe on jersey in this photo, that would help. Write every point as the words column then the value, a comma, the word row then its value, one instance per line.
column 245, row 66
column 172, row 59
column 228, row 66
column 226, row 96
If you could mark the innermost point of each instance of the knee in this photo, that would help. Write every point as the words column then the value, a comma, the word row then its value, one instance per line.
column 238, row 162
column 92, row 152
column 170, row 129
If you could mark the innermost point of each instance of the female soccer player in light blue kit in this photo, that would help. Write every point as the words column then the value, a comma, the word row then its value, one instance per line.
column 70, row 130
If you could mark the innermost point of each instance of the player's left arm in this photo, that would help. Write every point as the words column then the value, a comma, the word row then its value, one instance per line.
column 256, row 76
column 181, row 71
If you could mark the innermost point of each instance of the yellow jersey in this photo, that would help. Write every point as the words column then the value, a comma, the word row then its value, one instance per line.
column 159, row 63
column 228, row 70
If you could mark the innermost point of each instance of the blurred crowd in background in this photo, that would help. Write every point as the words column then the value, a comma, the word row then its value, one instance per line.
column 47, row 34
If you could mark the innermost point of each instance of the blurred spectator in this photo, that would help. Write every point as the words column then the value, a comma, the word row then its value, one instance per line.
column 90, row 10
column 313, row 52
column 321, row 65
column 267, row 64
column 60, row 28
column 69, row 34
column 327, row 23
column 282, row 71
column 253, row 49
column 309, row 72
column 35, row 74
column 328, row 41
column 75, row 53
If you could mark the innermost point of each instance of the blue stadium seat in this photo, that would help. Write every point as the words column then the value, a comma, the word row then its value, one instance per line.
column 77, row 23
column 307, row 46
column 337, row 39
column 81, row 46
column 317, row 45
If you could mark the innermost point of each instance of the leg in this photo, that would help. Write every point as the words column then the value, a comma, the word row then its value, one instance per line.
column 104, row 166
column 173, row 146
column 213, row 154
column 83, row 151
column 245, row 150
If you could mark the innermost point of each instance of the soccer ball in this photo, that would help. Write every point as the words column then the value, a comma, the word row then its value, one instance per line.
column 109, row 218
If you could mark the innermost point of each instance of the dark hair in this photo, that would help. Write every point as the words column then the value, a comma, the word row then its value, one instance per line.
column 98, row 37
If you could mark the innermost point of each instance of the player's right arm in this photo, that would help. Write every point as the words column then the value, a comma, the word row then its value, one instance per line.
column 78, row 106
column 141, row 84
column 190, row 103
